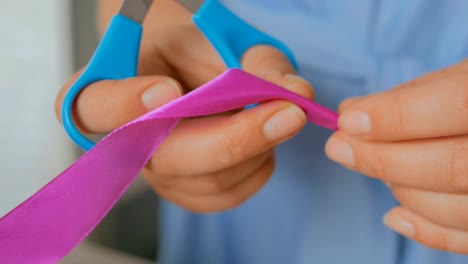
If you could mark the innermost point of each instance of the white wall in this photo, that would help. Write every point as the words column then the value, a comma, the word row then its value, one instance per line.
column 35, row 60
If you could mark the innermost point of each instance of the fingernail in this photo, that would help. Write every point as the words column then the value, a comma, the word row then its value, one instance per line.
column 399, row 225
column 355, row 123
column 340, row 151
column 160, row 94
column 284, row 123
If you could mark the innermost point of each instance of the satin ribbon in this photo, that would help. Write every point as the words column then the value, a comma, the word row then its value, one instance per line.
column 48, row 225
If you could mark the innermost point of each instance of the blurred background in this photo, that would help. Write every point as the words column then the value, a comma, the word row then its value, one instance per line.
column 42, row 44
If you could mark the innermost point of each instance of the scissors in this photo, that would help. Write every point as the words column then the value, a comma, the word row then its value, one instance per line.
column 116, row 56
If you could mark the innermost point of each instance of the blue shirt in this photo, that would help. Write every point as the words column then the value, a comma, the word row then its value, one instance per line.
column 313, row 210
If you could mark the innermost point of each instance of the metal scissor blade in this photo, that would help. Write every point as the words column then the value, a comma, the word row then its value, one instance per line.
column 191, row 5
column 135, row 10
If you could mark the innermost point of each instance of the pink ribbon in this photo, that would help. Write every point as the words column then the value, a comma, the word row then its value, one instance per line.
column 48, row 225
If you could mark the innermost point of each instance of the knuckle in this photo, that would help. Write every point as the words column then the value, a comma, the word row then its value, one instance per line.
column 399, row 110
column 374, row 166
column 465, row 93
column 463, row 216
column 457, row 173
column 440, row 241
column 234, row 146
column 380, row 168
column 155, row 180
column 459, row 93
column 163, row 169
column 215, row 184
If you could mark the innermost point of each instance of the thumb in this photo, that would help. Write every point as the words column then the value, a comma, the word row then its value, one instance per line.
column 270, row 64
column 107, row 105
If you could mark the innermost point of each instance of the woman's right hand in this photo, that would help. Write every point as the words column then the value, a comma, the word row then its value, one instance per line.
column 207, row 164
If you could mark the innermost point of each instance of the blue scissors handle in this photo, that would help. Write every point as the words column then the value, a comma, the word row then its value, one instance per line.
column 117, row 55
column 230, row 35
column 115, row 58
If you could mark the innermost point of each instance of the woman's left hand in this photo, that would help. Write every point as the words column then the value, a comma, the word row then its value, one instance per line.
column 415, row 139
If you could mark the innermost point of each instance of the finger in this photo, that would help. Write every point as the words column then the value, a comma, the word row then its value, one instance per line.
column 430, row 77
column 436, row 164
column 437, row 108
column 272, row 65
column 211, row 144
column 106, row 105
column 426, row 232
column 196, row 62
column 220, row 201
column 449, row 210
column 213, row 183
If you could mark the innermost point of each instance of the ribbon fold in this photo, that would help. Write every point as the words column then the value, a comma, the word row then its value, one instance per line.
column 48, row 225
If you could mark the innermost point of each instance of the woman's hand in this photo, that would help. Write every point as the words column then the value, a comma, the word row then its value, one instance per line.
column 207, row 164
column 415, row 138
